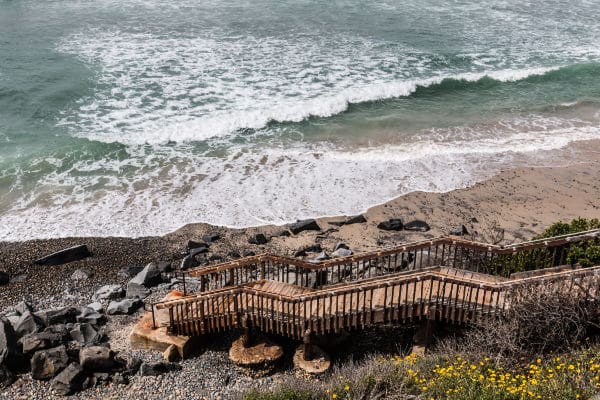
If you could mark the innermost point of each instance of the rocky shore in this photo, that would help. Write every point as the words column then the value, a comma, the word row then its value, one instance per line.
column 61, row 311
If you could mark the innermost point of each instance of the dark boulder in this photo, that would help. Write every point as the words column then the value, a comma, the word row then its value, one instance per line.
column 159, row 368
column 417, row 226
column 4, row 278
column 62, row 315
column 198, row 250
column 46, row 364
column 315, row 248
column 125, row 306
column 320, row 257
column 342, row 252
column 392, row 224
column 108, row 292
column 23, row 307
column 28, row 323
column 211, row 237
column 90, row 316
column 283, row 233
column 85, row 334
column 341, row 245
column 40, row 341
column 96, row 358
column 258, row 239
column 148, row 277
column 69, row 381
column 356, row 219
column 129, row 272
column 96, row 306
column 459, row 231
column 234, row 255
column 191, row 244
column 304, row 225
column 164, row 266
column 248, row 253
column 8, row 340
column 65, row 256
column 188, row 262
column 6, row 377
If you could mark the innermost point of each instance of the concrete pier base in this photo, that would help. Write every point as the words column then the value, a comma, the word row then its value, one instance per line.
column 145, row 336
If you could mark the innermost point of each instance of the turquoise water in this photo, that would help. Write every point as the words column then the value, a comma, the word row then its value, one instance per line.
column 137, row 117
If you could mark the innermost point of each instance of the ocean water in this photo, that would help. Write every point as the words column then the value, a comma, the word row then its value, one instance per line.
column 135, row 117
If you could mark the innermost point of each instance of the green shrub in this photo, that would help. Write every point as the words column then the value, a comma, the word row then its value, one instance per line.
column 585, row 254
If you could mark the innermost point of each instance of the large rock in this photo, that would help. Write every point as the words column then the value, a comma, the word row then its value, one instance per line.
column 23, row 307
column 85, row 334
column 69, row 381
column 192, row 244
column 46, row 364
column 259, row 239
column 188, row 262
column 28, row 323
column 87, row 315
column 6, row 377
column 148, row 277
column 304, row 225
column 356, row 219
column 62, row 315
column 4, row 278
column 96, row 306
column 315, row 248
column 198, row 250
column 109, row 292
column 40, row 341
column 96, row 358
column 392, row 224
column 8, row 340
column 341, row 252
column 459, row 231
column 125, row 306
column 65, row 256
column 417, row 226
column 159, row 368
column 320, row 257
column 129, row 272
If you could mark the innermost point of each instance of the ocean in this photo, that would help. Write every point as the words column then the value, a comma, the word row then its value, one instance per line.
column 133, row 118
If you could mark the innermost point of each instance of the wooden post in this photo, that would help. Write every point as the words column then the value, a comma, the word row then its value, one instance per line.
column 307, row 351
column 247, row 335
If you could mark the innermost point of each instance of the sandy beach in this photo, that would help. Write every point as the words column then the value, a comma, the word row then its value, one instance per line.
column 510, row 207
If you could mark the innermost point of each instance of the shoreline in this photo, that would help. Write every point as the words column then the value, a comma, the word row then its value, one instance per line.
column 513, row 205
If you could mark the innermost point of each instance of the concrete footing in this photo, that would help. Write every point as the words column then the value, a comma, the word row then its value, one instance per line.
column 257, row 357
column 145, row 336
column 318, row 361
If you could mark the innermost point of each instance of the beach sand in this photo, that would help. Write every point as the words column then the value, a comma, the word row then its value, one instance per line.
column 509, row 207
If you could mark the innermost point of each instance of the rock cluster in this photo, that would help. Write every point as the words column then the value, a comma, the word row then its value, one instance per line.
column 395, row 224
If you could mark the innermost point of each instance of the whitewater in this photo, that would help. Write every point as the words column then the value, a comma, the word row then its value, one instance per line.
column 134, row 118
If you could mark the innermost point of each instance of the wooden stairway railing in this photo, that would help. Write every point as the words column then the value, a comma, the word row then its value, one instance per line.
column 445, row 251
column 443, row 294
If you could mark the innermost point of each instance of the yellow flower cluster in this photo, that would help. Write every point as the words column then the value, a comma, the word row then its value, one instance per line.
column 555, row 378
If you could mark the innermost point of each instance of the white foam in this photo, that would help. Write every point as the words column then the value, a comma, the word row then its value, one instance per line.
column 158, row 90
column 156, row 190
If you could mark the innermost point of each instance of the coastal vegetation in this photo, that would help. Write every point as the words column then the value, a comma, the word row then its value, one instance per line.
column 546, row 347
